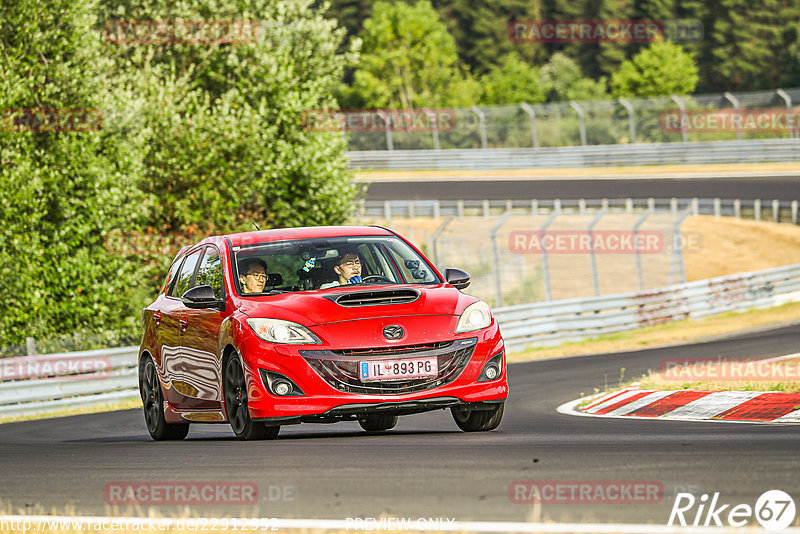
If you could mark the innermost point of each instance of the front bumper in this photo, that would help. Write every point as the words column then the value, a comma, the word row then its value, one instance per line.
column 328, row 399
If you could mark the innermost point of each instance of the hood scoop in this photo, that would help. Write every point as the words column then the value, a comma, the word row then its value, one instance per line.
column 375, row 298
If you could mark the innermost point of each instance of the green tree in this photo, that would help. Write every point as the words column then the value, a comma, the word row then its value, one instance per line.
column 512, row 82
column 410, row 60
column 226, row 143
column 61, row 190
column 562, row 79
column 663, row 69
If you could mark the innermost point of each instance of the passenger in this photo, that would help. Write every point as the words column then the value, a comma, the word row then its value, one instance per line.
column 348, row 269
column 252, row 275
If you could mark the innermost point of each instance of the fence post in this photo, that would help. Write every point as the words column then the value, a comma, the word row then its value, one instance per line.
column 545, row 266
column 682, row 107
column 794, row 212
column 629, row 205
column 532, row 116
column 434, row 120
column 30, row 346
column 677, row 251
column 639, row 223
column 460, row 208
column 733, row 100
column 485, row 207
column 673, row 206
column 509, row 204
column 786, row 98
column 582, row 206
column 434, row 237
column 631, row 120
column 717, row 208
column 411, row 211
column 592, row 258
column 651, row 204
column 737, row 208
column 757, row 209
column 437, row 209
column 579, row 110
column 388, row 122
column 496, row 257
column 695, row 206
column 604, row 204
column 387, row 212
column 482, row 123
column 776, row 210
column 534, row 207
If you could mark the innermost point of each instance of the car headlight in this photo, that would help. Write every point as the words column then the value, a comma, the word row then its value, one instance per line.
column 476, row 316
column 278, row 331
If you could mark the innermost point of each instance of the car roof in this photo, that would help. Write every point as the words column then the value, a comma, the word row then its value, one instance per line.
column 306, row 232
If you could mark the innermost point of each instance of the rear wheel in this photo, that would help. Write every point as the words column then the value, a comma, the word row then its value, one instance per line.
column 378, row 423
column 153, row 402
column 477, row 420
column 235, row 389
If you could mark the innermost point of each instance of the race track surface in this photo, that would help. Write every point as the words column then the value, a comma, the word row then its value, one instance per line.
column 425, row 467
column 768, row 188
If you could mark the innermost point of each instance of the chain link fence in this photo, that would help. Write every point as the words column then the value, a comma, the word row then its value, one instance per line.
column 608, row 122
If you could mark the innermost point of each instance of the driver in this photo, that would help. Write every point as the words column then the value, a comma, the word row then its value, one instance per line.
column 252, row 275
column 348, row 269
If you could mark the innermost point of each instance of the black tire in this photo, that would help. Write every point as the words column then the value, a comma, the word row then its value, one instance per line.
column 236, row 409
column 477, row 420
column 153, row 402
column 378, row 423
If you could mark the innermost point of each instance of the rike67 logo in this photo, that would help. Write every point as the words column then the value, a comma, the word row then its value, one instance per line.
column 774, row 510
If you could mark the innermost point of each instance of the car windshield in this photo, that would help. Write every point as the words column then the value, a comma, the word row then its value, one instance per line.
column 324, row 263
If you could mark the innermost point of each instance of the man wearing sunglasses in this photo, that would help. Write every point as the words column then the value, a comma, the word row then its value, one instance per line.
column 252, row 275
column 348, row 269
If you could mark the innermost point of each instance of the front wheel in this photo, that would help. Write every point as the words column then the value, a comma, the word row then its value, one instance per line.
column 378, row 423
column 477, row 420
column 153, row 402
column 235, row 389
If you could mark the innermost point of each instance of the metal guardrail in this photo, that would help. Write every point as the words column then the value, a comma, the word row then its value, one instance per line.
column 112, row 374
column 551, row 323
column 757, row 209
column 714, row 152
column 43, row 384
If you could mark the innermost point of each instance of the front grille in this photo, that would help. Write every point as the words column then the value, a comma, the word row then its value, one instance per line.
column 375, row 298
column 340, row 368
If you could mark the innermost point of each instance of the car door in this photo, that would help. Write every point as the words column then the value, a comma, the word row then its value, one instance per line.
column 172, row 368
column 199, row 339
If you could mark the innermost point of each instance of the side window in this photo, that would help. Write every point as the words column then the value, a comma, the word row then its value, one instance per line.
column 173, row 270
column 184, row 280
column 210, row 273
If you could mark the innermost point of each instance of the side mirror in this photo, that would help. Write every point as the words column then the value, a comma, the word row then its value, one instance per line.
column 201, row 297
column 457, row 278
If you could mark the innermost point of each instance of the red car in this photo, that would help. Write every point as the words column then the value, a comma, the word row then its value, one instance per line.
column 279, row 327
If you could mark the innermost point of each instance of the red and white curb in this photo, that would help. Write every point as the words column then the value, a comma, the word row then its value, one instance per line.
column 690, row 405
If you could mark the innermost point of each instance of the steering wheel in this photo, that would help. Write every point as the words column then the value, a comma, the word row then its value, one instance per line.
column 377, row 277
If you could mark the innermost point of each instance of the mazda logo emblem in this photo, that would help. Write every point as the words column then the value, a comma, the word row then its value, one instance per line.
column 393, row 332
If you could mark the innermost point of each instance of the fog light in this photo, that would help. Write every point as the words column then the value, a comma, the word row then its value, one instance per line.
column 282, row 388
column 492, row 372
column 493, row 368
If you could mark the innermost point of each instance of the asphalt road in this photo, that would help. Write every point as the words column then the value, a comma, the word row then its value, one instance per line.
column 767, row 188
column 425, row 467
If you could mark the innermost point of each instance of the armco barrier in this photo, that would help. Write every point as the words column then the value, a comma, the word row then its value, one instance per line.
column 542, row 323
column 550, row 323
column 713, row 152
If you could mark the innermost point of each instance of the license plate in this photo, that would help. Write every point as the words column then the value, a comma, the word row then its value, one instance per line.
column 399, row 369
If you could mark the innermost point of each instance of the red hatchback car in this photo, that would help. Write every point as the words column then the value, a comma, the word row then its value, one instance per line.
column 278, row 327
